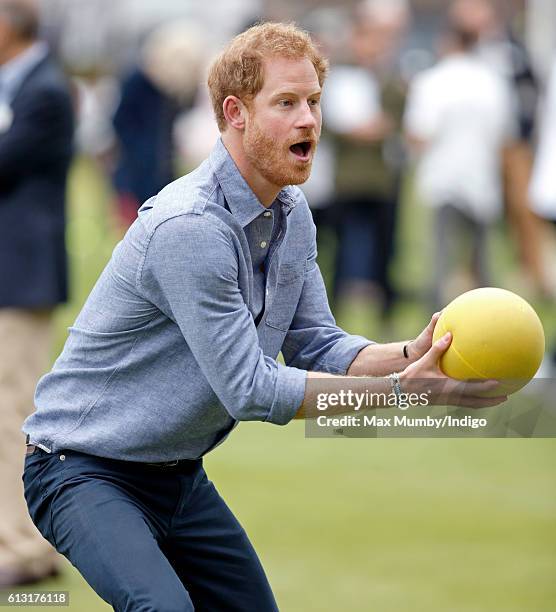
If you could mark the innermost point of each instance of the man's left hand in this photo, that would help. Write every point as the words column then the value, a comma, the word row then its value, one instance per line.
column 422, row 344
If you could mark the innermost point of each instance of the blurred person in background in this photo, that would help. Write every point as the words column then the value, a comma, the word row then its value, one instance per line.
column 153, row 94
column 499, row 45
column 543, row 183
column 459, row 118
column 36, row 131
column 362, row 107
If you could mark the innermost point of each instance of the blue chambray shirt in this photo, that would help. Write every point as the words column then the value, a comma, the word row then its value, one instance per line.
column 178, row 340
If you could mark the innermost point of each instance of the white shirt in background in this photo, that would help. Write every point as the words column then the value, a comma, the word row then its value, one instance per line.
column 350, row 99
column 463, row 111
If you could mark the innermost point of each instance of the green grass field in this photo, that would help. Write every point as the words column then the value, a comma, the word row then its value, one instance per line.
column 365, row 524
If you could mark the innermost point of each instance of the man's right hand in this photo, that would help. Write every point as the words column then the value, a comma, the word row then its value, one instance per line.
column 425, row 376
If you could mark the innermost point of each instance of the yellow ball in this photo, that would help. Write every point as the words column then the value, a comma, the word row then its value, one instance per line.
column 495, row 335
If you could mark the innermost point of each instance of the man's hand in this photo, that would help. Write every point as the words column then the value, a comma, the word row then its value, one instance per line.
column 383, row 359
column 422, row 376
column 425, row 375
column 422, row 344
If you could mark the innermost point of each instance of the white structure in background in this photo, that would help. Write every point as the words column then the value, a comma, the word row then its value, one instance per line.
column 94, row 33
column 220, row 19
column 81, row 29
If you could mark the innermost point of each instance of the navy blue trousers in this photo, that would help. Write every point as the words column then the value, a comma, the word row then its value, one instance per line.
column 146, row 537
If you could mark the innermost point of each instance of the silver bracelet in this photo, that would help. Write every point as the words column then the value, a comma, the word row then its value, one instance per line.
column 396, row 387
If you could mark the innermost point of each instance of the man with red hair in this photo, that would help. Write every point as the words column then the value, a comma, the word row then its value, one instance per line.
column 178, row 342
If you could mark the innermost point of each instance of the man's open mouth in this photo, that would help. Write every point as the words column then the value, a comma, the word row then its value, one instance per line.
column 302, row 150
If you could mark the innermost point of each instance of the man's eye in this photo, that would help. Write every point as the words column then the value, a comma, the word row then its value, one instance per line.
column 314, row 102
column 285, row 102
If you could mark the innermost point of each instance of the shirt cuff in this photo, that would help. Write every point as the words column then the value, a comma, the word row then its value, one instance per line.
column 288, row 396
column 341, row 355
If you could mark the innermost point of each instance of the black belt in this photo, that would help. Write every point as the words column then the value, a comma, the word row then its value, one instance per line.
column 32, row 448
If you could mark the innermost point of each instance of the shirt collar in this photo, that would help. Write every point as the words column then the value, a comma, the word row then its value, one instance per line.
column 14, row 72
column 243, row 203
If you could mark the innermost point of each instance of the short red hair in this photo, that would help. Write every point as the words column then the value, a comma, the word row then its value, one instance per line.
column 238, row 70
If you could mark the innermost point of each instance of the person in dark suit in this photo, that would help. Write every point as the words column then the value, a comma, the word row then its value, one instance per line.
column 36, row 134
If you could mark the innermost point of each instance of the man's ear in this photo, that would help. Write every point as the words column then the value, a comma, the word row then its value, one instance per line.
column 234, row 112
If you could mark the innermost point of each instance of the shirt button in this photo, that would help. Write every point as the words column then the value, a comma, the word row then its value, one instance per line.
column 263, row 244
column 267, row 214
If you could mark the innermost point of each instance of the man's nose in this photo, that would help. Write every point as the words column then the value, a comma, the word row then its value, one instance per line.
column 308, row 117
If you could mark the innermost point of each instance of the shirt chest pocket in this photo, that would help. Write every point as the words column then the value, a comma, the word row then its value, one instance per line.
column 286, row 295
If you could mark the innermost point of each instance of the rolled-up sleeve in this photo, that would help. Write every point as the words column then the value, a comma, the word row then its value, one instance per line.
column 314, row 341
column 190, row 271
column 288, row 396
